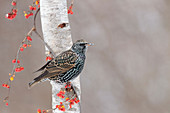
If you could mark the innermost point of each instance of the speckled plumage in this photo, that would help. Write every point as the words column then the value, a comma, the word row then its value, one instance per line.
column 66, row 66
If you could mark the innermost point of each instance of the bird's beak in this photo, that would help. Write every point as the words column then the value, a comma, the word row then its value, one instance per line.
column 89, row 44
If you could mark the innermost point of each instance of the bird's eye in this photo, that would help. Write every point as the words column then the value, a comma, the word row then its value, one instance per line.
column 82, row 44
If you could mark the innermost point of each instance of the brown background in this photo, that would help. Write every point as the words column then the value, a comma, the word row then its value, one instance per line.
column 127, row 71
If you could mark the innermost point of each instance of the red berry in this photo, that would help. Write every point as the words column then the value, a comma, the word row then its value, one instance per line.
column 17, row 69
column 77, row 101
column 57, row 106
column 29, row 38
column 21, row 68
column 4, row 85
column 68, row 11
column 24, row 45
column 31, row 8
column 71, row 12
column 9, row 16
column 6, row 104
column 39, row 111
column 14, row 11
column 66, row 86
column 70, row 106
column 21, row 49
column 34, row 8
column 67, row 99
column 46, row 58
column 27, row 16
column 14, row 15
column 13, row 3
column 18, row 61
column 62, row 92
column 7, row 86
column 31, row 14
column 58, row 94
column 70, row 7
column 44, row 111
column 49, row 58
column 71, row 102
column 62, row 109
column 29, row 45
column 14, row 61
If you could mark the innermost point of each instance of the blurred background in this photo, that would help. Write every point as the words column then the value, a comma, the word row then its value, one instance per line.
column 126, row 71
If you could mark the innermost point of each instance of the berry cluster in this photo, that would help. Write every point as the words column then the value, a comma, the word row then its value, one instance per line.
column 6, row 98
column 70, row 9
column 18, row 69
column 43, row 111
column 48, row 58
column 26, row 43
column 61, row 94
column 61, row 107
column 71, row 101
column 17, row 66
column 68, row 99
column 14, row 61
column 32, row 8
column 13, row 13
column 68, row 86
column 5, row 85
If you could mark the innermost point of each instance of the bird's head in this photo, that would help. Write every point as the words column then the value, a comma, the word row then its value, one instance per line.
column 80, row 46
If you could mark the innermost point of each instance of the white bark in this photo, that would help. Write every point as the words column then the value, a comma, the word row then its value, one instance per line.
column 54, row 13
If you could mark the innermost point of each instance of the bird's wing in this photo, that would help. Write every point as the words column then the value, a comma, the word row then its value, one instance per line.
column 42, row 68
column 63, row 62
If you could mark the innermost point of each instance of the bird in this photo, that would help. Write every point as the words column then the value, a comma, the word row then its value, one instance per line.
column 66, row 66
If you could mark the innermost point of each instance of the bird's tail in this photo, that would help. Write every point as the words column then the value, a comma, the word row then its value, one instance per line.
column 38, row 79
column 32, row 83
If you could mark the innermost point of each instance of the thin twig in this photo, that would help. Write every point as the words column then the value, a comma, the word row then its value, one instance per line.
column 35, row 17
column 15, row 64
column 72, row 2
column 42, row 39
column 52, row 52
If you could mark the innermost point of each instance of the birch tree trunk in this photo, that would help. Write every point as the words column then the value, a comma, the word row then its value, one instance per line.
column 54, row 13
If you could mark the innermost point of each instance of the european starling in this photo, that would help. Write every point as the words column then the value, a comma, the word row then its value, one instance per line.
column 66, row 66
